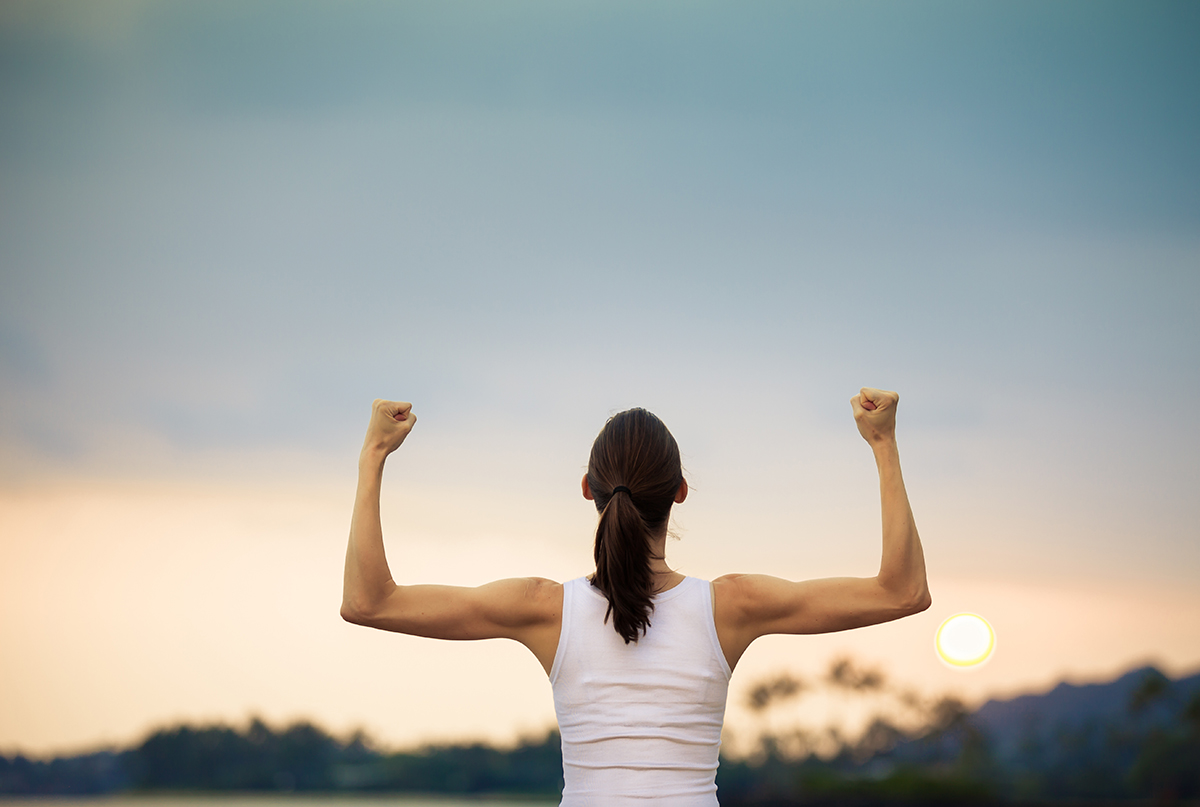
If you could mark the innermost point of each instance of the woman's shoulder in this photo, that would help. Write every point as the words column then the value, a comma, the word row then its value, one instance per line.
column 737, row 593
column 543, row 588
column 529, row 599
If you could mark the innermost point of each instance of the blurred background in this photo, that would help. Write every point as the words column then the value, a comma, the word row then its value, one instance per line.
column 226, row 227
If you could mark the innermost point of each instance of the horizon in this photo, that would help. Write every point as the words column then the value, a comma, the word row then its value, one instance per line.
column 528, row 737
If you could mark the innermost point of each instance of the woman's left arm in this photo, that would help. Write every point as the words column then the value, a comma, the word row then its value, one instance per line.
column 524, row 609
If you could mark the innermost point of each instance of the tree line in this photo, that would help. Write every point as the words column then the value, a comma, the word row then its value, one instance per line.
column 1149, row 747
column 301, row 757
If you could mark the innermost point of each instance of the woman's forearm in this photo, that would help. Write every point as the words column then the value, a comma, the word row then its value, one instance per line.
column 367, row 580
column 902, row 567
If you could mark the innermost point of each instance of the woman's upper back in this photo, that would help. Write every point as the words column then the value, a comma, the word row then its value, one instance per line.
column 642, row 718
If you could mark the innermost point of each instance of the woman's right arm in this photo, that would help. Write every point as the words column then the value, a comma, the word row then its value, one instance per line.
column 749, row 606
column 524, row 609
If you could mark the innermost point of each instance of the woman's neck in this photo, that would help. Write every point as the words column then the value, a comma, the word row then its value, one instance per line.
column 664, row 576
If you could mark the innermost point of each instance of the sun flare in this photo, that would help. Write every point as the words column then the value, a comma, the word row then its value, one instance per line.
column 965, row 640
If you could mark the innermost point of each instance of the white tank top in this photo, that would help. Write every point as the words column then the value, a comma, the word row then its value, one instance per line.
column 640, row 721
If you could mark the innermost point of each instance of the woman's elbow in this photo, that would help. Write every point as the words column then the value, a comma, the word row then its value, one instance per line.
column 908, row 599
column 370, row 607
column 355, row 613
column 920, row 602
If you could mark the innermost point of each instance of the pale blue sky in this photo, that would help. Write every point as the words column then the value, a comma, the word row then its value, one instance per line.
column 226, row 227
column 561, row 210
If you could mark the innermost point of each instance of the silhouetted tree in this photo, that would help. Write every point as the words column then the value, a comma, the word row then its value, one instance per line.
column 1168, row 766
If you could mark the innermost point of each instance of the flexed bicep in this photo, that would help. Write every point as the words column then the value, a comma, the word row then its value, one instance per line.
column 528, row 610
column 496, row 610
column 748, row 606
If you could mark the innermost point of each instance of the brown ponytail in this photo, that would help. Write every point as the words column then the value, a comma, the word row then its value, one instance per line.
column 634, row 451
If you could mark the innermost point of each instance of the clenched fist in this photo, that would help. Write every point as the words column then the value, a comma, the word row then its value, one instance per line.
column 391, row 421
column 875, row 414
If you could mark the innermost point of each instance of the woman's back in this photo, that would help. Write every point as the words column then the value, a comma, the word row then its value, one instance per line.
column 642, row 719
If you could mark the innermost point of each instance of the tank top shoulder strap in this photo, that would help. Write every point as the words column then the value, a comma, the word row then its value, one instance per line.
column 570, row 595
column 708, row 600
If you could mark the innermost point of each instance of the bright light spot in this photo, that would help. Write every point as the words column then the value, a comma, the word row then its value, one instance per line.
column 965, row 640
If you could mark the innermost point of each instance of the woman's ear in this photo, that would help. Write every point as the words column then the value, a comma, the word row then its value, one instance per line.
column 587, row 491
column 680, row 494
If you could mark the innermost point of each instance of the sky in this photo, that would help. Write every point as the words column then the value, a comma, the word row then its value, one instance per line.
column 226, row 227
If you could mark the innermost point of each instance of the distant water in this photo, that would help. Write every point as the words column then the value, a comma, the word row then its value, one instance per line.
column 272, row 800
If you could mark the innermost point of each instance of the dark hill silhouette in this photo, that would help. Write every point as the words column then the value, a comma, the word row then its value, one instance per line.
column 1071, row 707
column 1137, row 736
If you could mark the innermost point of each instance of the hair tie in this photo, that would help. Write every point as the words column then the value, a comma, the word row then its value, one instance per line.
column 620, row 488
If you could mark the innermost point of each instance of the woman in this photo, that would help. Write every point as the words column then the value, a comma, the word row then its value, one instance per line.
column 639, row 656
